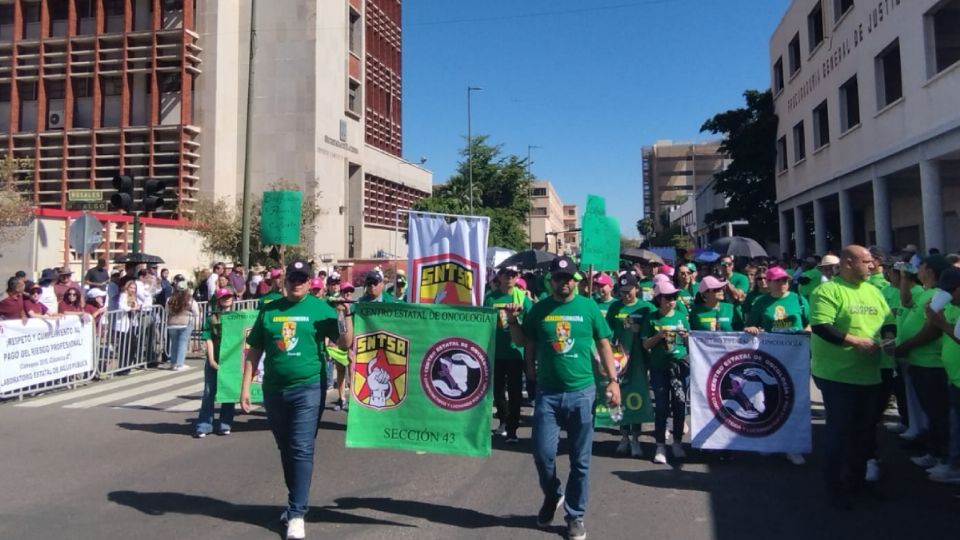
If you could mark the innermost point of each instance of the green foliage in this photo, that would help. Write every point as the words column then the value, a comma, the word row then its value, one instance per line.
column 749, row 183
column 501, row 189
column 16, row 209
column 646, row 226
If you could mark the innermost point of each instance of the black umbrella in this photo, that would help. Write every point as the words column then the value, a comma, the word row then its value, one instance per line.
column 138, row 258
column 530, row 259
column 641, row 255
column 738, row 246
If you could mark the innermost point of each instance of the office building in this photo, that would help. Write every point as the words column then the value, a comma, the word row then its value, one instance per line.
column 672, row 172
column 550, row 218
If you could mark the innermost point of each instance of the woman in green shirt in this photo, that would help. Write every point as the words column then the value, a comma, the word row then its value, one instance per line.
column 683, row 279
column 780, row 310
column 713, row 314
column 664, row 334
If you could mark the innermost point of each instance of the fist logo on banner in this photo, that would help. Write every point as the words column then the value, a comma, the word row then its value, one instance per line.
column 380, row 377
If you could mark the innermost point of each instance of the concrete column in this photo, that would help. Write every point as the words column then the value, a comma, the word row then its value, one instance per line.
column 784, row 234
column 931, row 196
column 799, row 232
column 881, row 213
column 820, row 226
column 847, row 233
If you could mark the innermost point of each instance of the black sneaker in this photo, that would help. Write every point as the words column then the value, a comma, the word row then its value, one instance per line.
column 549, row 509
column 512, row 437
column 576, row 530
column 338, row 405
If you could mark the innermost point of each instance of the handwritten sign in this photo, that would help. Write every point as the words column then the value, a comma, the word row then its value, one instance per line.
column 601, row 237
column 280, row 218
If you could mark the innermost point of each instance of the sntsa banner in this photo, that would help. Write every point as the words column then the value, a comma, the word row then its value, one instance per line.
column 448, row 261
column 422, row 380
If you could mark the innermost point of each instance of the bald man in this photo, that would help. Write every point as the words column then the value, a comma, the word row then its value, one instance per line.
column 849, row 319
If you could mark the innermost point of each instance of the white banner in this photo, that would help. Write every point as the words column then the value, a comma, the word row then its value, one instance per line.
column 43, row 351
column 448, row 261
column 750, row 393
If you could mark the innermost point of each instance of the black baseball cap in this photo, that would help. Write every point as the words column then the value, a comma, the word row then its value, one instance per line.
column 563, row 265
column 627, row 281
column 949, row 279
column 298, row 272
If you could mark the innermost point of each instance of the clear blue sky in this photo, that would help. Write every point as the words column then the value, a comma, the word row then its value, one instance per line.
column 591, row 81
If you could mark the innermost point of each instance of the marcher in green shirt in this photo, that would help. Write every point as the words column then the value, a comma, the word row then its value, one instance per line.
column 559, row 336
column 713, row 314
column 738, row 285
column 373, row 289
column 508, row 362
column 847, row 316
column 664, row 334
column 810, row 278
column 603, row 287
column 211, row 334
column 780, row 310
column 683, row 279
column 948, row 321
column 289, row 333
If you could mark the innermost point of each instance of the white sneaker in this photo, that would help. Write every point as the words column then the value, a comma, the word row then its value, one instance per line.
column 926, row 461
column 635, row 450
column 895, row 427
column 873, row 471
column 661, row 455
column 623, row 446
column 677, row 449
column 939, row 469
column 950, row 476
column 796, row 459
column 295, row 529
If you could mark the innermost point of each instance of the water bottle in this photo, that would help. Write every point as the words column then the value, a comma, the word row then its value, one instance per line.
column 616, row 413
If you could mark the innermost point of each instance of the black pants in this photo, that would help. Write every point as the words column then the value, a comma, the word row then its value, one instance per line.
column 851, row 412
column 934, row 396
column 508, row 391
column 887, row 383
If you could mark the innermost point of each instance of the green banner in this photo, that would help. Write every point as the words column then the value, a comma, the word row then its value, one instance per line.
column 634, row 398
column 235, row 328
column 423, row 378
column 600, row 245
column 280, row 217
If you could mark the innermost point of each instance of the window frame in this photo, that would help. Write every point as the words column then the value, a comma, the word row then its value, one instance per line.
column 844, row 109
column 881, row 67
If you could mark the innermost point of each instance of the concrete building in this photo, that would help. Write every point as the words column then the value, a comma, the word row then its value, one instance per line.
column 571, row 221
column 672, row 172
column 549, row 217
column 158, row 88
column 869, row 129
column 691, row 217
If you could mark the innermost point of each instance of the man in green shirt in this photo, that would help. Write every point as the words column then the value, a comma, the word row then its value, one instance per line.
column 559, row 336
column 738, row 285
column 847, row 317
column 373, row 289
column 508, row 363
column 922, row 346
column 289, row 333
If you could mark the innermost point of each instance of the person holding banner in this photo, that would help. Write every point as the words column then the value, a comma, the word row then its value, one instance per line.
column 373, row 289
column 559, row 336
column 713, row 314
column 848, row 316
column 289, row 333
column 664, row 335
column 211, row 335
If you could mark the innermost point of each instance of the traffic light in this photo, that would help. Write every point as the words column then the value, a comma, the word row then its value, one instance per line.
column 123, row 198
column 153, row 194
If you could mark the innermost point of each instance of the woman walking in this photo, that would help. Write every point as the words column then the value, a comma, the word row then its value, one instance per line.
column 182, row 311
column 211, row 334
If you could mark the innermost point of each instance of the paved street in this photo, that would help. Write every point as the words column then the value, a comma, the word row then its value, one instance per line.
column 116, row 460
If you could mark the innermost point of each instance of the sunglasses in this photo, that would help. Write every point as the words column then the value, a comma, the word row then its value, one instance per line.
column 726, row 264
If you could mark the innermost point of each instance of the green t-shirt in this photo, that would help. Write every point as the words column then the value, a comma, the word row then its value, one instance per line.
column 814, row 278
column 605, row 306
column 269, row 297
column 739, row 281
column 951, row 349
column 791, row 313
column 565, row 334
column 618, row 315
column 685, row 297
column 723, row 318
column 910, row 325
column 292, row 336
column 878, row 281
column 671, row 349
column 858, row 310
column 211, row 331
column 645, row 289
column 385, row 297
column 506, row 349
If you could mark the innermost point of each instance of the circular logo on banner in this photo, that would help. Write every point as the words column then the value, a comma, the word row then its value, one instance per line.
column 454, row 374
column 750, row 392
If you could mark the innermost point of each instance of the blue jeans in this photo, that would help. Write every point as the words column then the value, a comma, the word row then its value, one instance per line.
column 205, row 419
column 177, row 338
column 294, row 416
column 572, row 412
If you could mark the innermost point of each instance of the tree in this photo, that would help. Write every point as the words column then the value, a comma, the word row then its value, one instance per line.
column 646, row 226
column 627, row 242
column 16, row 210
column 501, row 191
column 218, row 222
column 749, row 183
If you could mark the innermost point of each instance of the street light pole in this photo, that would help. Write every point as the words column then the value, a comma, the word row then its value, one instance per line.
column 530, row 213
column 470, row 144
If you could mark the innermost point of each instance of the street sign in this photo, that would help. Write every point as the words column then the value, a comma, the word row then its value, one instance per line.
column 85, row 234
column 87, row 199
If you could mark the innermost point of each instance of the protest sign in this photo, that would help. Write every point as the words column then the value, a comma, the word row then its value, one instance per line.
column 600, row 234
column 448, row 261
column 280, row 217
column 41, row 351
column 422, row 378
column 236, row 327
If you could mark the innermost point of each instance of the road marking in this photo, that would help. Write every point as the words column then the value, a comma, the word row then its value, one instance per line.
column 95, row 388
column 192, row 405
column 126, row 394
column 149, row 402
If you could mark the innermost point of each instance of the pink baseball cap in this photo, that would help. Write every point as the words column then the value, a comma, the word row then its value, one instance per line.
column 316, row 283
column 602, row 279
column 664, row 287
column 222, row 293
column 522, row 283
column 667, row 270
column 275, row 272
column 660, row 278
column 710, row 283
column 775, row 273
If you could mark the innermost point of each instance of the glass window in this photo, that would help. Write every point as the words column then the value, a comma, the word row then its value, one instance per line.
column 889, row 76
column 849, row 104
column 794, row 55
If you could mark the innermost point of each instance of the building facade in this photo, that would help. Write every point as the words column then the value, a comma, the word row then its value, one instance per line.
column 549, row 218
column 691, row 217
column 158, row 88
column 868, row 140
column 672, row 172
column 571, row 221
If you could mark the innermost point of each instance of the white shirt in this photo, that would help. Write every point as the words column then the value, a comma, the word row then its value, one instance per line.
column 48, row 297
column 212, row 285
column 144, row 294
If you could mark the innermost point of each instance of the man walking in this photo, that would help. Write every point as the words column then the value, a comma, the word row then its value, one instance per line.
column 559, row 336
column 847, row 317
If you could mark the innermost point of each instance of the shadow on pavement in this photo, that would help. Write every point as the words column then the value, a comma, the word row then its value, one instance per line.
column 266, row 516
column 463, row 518
column 240, row 424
